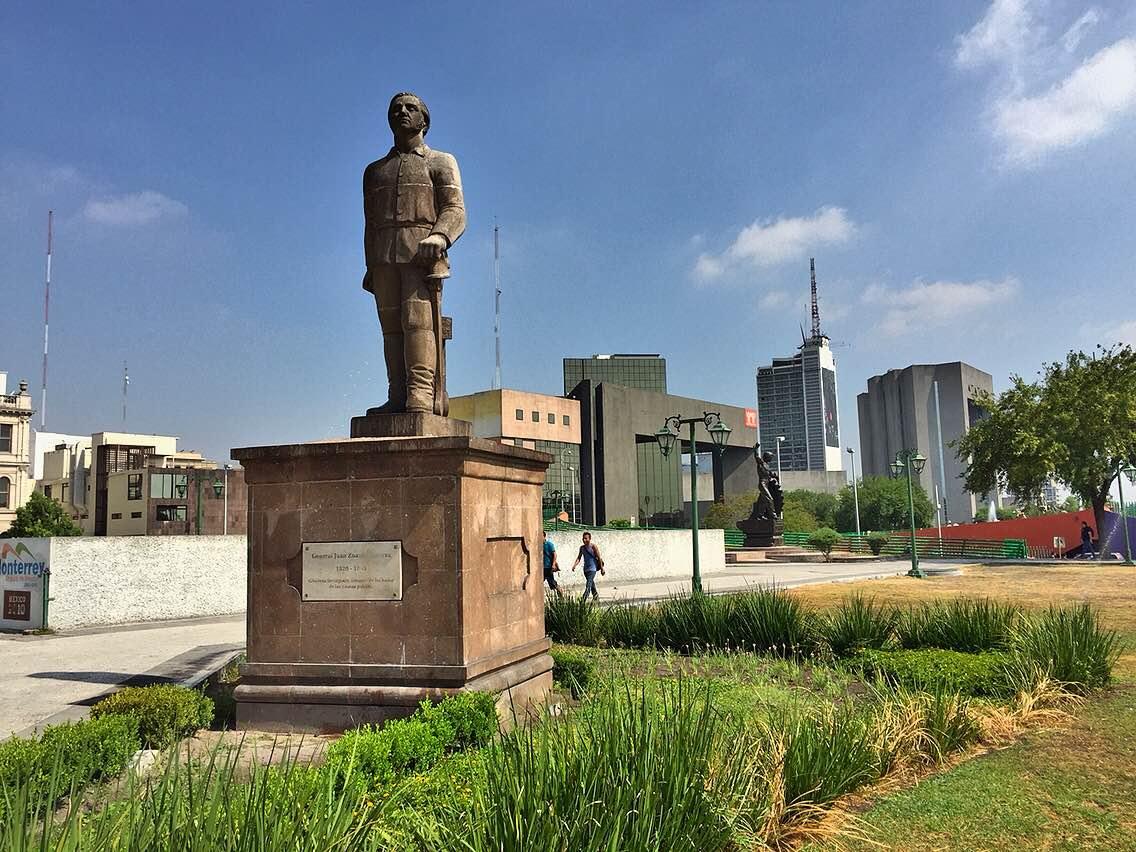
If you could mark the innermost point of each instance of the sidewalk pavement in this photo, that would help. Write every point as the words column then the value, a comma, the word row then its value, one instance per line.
column 55, row 678
column 50, row 679
column 742, row 576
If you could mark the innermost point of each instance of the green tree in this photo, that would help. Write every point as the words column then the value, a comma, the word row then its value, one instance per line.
column 797, row 518
column 1076, row 424
column 1072, row 503
column 883, row 505
column 725, row 514
column 820, row 505
column 41, row 517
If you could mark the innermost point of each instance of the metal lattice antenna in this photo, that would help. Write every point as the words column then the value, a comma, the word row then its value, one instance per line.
column 816, row 309
column 46, row 311
column 497, row 303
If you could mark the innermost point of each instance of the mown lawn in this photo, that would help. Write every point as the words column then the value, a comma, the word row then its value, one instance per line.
column 1070, row 785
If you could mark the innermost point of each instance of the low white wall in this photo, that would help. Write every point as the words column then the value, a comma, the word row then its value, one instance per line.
column 120, row 579
column 641, row 554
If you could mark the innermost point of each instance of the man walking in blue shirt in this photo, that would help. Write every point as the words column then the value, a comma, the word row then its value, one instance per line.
column 551, row 566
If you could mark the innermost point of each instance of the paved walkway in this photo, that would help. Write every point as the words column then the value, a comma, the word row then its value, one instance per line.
column 49, row 679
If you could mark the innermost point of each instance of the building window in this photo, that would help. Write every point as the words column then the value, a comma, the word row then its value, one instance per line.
column 116, row 516
column 134, row 486
column 5, row 437
column 47, row 491
column 536, row 417
column 168, row 486
column 170, row 513
column 520, row 414
column 5, row 488
column 564, row 419
column 63, row 493
column 136, row 514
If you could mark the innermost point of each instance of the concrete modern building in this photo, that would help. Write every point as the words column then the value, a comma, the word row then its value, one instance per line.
column 117, row 483
column 627, row 477
column 924, row 407
column 797, row 400
column 658, row 478
column 16, row 483
column 537, row 421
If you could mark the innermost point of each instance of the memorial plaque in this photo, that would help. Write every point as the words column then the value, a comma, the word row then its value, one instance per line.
column 352, row 571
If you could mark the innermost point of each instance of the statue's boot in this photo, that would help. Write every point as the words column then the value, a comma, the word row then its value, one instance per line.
column 420, row 358
column 394, row 356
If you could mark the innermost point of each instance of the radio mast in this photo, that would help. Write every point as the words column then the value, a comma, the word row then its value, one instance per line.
column 125, row 385
column 816, row 309
column 497, row 303
column 46, row 310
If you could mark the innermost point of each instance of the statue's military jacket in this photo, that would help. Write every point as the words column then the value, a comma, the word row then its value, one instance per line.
column 408, row 197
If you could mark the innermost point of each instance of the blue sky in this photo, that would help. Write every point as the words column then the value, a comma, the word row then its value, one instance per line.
column 661, row 173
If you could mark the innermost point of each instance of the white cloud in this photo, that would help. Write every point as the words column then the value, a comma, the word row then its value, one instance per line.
column 770, row 242
column 138, row 208
column 1121, row 332
column 1072, row 38
column 1083, row 106
column 1044, row 97
column 1004, row 35
column 936, row 303
column 773, row 299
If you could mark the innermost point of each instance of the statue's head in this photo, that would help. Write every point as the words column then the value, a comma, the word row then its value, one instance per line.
column 767, row 456
column 407, row 112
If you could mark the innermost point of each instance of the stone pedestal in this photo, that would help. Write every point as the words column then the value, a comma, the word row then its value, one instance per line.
column 465, row 514
column 762, row 532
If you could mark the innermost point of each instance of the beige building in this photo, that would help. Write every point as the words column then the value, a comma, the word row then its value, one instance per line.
column 537, row 421
column 16, row 483
column 118, row 483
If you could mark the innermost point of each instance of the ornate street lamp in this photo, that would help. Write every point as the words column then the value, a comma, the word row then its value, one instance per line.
column 911, row 462
column 666, row 436
column 218, row 488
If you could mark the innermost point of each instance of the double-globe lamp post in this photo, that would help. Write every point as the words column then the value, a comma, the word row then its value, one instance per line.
column 855, row 490
column 666, row 436
column 219, row 491
column 913, row 463
column 1125, row 469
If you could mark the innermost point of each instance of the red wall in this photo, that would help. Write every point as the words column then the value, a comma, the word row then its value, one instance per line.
column 1038, row 532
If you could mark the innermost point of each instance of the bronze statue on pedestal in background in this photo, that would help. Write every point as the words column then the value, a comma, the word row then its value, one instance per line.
column 763, row 527
column 414, row 211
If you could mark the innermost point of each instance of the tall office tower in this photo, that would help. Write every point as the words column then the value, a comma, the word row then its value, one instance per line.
column 659, row 482
column 796, row 400
column 924, row 407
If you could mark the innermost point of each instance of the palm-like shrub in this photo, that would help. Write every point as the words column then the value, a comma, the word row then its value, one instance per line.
column 859, row 623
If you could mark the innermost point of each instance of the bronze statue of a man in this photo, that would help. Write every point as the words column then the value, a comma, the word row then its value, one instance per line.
column 412, row 203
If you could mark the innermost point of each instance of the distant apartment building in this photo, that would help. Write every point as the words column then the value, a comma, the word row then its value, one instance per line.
column 924, row 407
column 117, row 483
column 16, row 483
column 537, row 421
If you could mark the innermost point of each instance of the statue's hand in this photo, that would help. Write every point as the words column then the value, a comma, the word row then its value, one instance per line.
column 366, row 279
column 433, row 247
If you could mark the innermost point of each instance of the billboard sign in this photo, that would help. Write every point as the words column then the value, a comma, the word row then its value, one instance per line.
column 24, row 567
column 751, row 418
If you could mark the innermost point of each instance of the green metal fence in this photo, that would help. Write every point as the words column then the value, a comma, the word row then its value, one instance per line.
column 928, row 546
